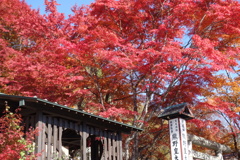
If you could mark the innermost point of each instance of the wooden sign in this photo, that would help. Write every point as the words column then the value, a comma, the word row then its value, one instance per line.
column 181, row 142
column 178, row 139
column 177, row 116
column 175, row 139
column 183, row 137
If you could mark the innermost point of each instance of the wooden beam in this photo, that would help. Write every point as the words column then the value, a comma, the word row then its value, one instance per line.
column 27, row 112
column 90, row 120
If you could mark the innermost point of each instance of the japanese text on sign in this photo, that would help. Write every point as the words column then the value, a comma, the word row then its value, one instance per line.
column 175, row 139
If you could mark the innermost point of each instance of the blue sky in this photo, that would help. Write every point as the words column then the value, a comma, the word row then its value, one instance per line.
column 65, row 6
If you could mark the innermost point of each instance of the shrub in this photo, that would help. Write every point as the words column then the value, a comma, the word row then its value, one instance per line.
column 14, row 143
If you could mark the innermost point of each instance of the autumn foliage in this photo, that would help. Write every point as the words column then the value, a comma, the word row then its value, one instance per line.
column 223, row 104
column 128, row 57
column 14, row 143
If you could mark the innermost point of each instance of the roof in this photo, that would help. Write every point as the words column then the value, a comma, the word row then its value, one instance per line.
column 67, row 112
column 177, row 111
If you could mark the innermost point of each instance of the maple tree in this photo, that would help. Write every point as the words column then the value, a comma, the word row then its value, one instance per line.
column 223, row 103
column 125, row 60
column 14, row 143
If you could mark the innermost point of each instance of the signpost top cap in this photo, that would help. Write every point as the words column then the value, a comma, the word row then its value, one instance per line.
column 177, row 111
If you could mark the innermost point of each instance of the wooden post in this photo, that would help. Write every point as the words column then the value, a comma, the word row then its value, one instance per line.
column 105, row 145
column 38, row 144
column 60, row 130
column 55, row 136
column 81, row 143
column 43, row 137
column 119, row 146
column 109, row 145
column 49, row 135
column 113, row 145
column 84, row 141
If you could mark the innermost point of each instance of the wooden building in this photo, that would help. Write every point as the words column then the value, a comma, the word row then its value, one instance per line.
column 67, row 132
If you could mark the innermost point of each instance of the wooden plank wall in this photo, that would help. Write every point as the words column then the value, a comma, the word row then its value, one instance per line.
column 49, row 140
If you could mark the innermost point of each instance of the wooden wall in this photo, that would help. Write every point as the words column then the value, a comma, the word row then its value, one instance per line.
column 49, row 140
